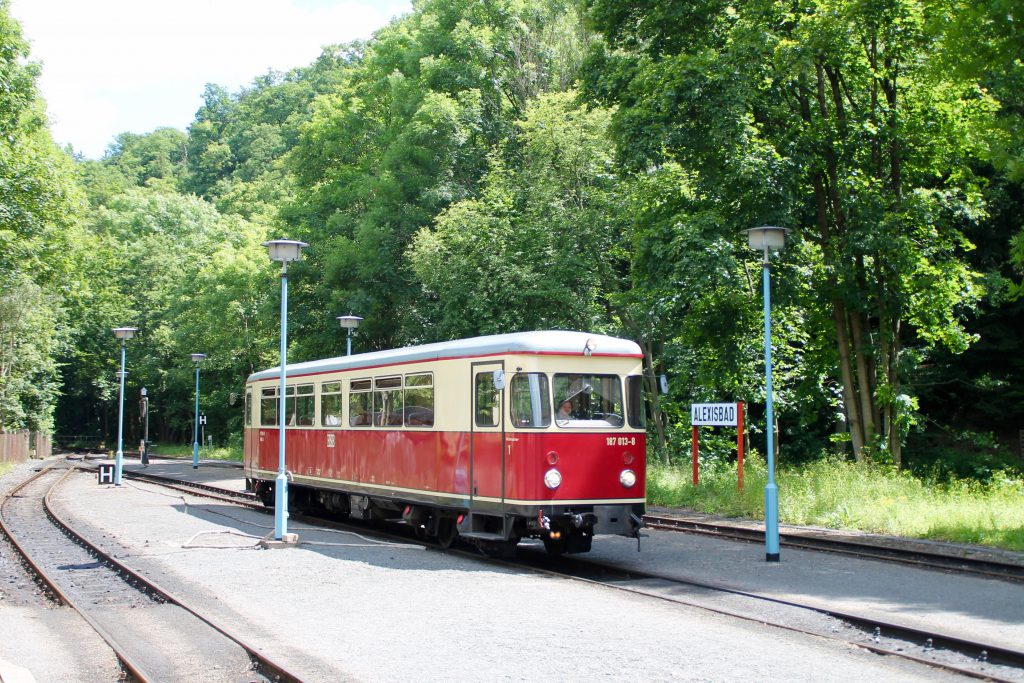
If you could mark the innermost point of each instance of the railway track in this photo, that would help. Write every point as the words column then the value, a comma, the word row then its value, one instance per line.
column 155, row 635
column 918, row 556
column 927, row 647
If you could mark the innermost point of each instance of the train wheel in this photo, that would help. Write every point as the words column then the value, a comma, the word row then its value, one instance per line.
column 556, row 546
column 266, row 494
column 446, row 531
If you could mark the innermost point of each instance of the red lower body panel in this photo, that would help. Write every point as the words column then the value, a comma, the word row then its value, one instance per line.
column 507, row 466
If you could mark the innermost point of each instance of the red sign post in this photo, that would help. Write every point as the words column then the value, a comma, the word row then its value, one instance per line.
column 718, row 415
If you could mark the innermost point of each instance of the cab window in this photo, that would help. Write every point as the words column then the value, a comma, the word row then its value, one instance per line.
column 588, row 401
column 530, row 400
column 635, row 401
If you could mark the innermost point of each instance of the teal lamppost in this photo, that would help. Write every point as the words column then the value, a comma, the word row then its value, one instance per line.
column 349, row 322
column 124, row 334
column 283, row 251
column 198, row 359
column 144, row 408
column 767, row 239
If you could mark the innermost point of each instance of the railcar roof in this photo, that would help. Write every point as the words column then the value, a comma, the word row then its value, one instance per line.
column 545, row 342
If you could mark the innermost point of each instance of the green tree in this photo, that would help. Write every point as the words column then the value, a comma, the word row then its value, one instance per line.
column 30, row 340
column 830, row 116
column 38, row 238
column 407, row 133
column 149, row 254
column 529, row 253
column 155, row 159
column 547, row 243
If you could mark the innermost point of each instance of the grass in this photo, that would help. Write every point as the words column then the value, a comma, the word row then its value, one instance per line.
column 844, row 495
column 185, row 451
column 5, row 467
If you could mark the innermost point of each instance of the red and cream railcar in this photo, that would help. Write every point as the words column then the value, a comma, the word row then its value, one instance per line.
column 494, row 439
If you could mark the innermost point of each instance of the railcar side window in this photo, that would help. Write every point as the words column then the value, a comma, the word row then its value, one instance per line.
column 588, row 401
column 530, row 400
column 488, row 401
column 360, row 403
column 268, row 407
column 330, row 404
column 419, row 400
column 387, row 401
column 247, row 407
column 299, row 405
column 635, row 401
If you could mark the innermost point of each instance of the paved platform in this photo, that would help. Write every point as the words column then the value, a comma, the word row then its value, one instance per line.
column 988, row 610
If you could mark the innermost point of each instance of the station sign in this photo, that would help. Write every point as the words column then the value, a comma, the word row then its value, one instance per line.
column 713, row 414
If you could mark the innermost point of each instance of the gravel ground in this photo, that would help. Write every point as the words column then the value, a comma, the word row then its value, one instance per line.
column 53, row 643
column 342, row 608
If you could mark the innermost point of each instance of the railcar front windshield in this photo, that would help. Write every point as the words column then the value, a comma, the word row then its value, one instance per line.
column 588, row 401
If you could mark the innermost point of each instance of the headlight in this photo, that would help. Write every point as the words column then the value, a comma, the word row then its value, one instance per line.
column 552, row 479
column 627, row 478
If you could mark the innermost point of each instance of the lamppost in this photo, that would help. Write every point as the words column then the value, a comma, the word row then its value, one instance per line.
column 349, row 322
column 124, row 334
column 767, row 239
column 197, row 358
column 284, row 251
column 144, row 408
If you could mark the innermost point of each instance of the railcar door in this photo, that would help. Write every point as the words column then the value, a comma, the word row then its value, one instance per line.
column 487, row 438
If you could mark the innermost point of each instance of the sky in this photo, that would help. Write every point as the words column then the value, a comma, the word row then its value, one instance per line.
column 114, row 66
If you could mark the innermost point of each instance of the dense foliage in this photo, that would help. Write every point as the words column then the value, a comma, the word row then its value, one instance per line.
column 38, row 235
column 479, row 168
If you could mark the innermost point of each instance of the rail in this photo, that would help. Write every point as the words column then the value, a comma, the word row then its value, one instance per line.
column 918, row 555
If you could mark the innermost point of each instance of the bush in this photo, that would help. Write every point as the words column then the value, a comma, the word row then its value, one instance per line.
column 949, row 455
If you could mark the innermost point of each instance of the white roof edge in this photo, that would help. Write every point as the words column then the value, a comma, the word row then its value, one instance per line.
column 546, row 341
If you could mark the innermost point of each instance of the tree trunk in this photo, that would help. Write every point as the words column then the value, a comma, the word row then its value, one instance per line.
column 894, row 437
column 853, row 419
column 864, row 384
column 652, row 387
column 650, row 378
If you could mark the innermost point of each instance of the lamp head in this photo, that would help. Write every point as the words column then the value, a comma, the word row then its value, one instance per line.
column 143, row 392
column 285, row 250
column 766, row 237
column 125, row 332
column 198, row 358
column 349, row 322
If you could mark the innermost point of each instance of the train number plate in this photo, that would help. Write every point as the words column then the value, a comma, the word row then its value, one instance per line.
column 621, row 440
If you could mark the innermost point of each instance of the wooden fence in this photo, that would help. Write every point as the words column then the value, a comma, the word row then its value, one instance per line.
column 20, row 446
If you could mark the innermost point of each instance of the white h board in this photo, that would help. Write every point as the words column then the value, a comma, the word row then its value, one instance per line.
column 713, row 414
